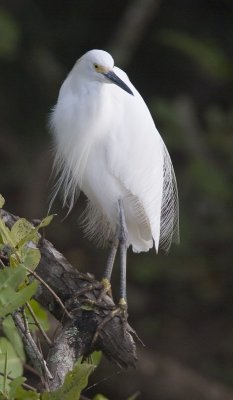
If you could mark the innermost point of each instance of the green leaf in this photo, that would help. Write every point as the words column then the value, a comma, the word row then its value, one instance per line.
column 17, row 392
column 100, row 397
column 12, row 277
column 13, row 336
column 34, row 234
column 30, row 257
column 5, row 375
column 14, row 385
column 20, row 230
column 41, row 316
column 5, row 234
column 11, row 300
column 22, row 394
column 14, row 260
column 96, row 357
column 14, row 364
column 2, row 201
column 75, row 382
column 87, row 307
column 46, row 221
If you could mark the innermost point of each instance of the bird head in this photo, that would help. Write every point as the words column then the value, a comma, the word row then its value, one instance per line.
column 99, row 65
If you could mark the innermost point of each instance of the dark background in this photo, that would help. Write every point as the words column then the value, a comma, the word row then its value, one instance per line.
column 178, row 54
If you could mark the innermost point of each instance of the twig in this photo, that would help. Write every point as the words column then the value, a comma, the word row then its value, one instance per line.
column 5, row 374
column 30, row 345
column 1, row 262
column 43, row 333
column 25, row 321
column 46, row 380
column 58, row 300
column 88, row 288
column 25, row 385
column 31, row 369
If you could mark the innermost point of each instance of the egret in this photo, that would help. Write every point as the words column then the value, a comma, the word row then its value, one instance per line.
column 106, row 145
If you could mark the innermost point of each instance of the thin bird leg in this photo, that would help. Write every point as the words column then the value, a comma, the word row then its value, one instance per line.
column 105, row 285
column 123, row 256
column 108, row 270
column 110, row 261
column 121, row 309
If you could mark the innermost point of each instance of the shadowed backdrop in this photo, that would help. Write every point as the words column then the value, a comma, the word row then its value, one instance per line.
column 178, row 55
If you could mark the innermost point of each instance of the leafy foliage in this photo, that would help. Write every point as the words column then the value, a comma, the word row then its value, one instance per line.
column 9, row 356
column 41, row 316
column 12, row 334
column 18, row 245
column 16, row 391
column 19, row 255
column 75, row 382
column 2, row 201
column 11, row 297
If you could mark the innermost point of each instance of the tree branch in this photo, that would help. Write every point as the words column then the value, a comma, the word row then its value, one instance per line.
column 75, row 338
column 31, row 347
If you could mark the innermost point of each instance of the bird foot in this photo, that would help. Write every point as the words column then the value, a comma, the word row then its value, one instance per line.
column 105, row 289
column 89, row 288
column 121, row 311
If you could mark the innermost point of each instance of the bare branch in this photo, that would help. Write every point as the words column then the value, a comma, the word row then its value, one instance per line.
column 31, row 347
column 57, row 298
column 43, row 333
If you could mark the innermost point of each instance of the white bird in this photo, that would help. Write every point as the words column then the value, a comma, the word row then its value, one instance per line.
column 107, row 145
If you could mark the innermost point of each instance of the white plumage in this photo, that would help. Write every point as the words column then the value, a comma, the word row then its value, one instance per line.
column 106, row 144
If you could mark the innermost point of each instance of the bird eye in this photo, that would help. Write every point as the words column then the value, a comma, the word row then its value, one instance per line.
column 96, row 66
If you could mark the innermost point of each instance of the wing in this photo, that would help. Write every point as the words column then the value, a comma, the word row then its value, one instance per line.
column 138, row 157
column 169, row 222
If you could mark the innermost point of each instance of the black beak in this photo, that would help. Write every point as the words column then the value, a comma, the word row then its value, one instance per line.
column 115, row 79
